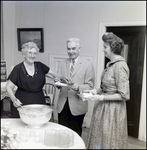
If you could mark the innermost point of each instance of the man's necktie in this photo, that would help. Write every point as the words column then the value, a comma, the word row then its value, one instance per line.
column 72, row 67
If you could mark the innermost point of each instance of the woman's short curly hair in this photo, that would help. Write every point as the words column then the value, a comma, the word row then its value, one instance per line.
column 29, row 45
column 115, row 42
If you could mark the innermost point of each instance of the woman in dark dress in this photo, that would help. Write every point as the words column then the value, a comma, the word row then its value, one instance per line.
column 29, row 77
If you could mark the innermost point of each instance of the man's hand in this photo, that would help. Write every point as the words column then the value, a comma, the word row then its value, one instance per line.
column 93, row 91
column 74, row 86
column 64, row 80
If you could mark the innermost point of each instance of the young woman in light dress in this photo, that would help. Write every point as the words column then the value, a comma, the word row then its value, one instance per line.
column 108, row 129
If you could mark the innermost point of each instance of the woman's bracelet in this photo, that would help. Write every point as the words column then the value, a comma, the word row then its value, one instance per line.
column 101, row 97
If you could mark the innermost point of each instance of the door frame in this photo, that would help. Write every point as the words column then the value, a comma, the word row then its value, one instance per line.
column 101, row 60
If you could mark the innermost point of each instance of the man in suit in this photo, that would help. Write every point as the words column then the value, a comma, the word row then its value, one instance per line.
column 80, row 76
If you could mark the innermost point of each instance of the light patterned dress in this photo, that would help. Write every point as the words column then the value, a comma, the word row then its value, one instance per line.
column 108, row 129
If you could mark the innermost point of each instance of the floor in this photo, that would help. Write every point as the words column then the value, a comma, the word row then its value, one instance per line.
column 133, row 142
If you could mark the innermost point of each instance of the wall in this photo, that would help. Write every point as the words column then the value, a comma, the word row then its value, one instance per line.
column 61, row 20
column 9, row 39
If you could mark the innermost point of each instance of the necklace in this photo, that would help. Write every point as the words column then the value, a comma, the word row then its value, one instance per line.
column 28, row 66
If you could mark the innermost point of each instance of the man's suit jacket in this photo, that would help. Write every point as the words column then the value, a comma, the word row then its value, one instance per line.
column 84, row 76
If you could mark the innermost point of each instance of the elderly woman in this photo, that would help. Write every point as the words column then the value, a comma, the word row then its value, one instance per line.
column 108, row 129
column 29, row 77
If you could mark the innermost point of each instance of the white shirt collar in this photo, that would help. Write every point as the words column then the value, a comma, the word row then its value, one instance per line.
column 75, row 60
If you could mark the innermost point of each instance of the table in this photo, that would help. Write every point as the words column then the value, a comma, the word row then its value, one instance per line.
column 17, row 124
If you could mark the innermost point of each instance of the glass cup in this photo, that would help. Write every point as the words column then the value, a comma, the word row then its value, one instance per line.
column 24, row 135
column 58, row 138
column 49, row 137
column 38, row 135
column 66, row 138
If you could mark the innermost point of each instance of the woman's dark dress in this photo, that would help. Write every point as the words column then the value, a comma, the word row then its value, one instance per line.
column 29, row 87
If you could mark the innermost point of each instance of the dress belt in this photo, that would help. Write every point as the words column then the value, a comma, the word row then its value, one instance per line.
column 19, row 89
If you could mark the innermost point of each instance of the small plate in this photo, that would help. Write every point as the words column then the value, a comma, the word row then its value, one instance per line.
column 60, row 84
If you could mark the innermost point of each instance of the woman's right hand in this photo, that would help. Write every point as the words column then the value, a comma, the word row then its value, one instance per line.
column 16, row 102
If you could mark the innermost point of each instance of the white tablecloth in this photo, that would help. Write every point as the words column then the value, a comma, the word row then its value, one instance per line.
column 17, row 124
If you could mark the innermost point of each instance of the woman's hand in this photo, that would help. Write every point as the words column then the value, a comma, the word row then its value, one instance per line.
column 87, row 96
column 16, row 102
column 91, row 97
column 99, row 91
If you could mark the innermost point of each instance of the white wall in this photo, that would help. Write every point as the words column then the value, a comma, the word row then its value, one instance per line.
column 61, row 20
column 9, row 33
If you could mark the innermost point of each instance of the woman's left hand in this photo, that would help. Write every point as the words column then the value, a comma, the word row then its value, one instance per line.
column 86, row 96
column 91, row 97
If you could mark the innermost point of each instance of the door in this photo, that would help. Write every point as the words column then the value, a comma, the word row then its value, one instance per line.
column 134, row 39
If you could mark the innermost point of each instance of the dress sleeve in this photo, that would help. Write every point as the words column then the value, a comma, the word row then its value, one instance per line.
column 13, row 76
column 122, row 79
column 45, row 68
